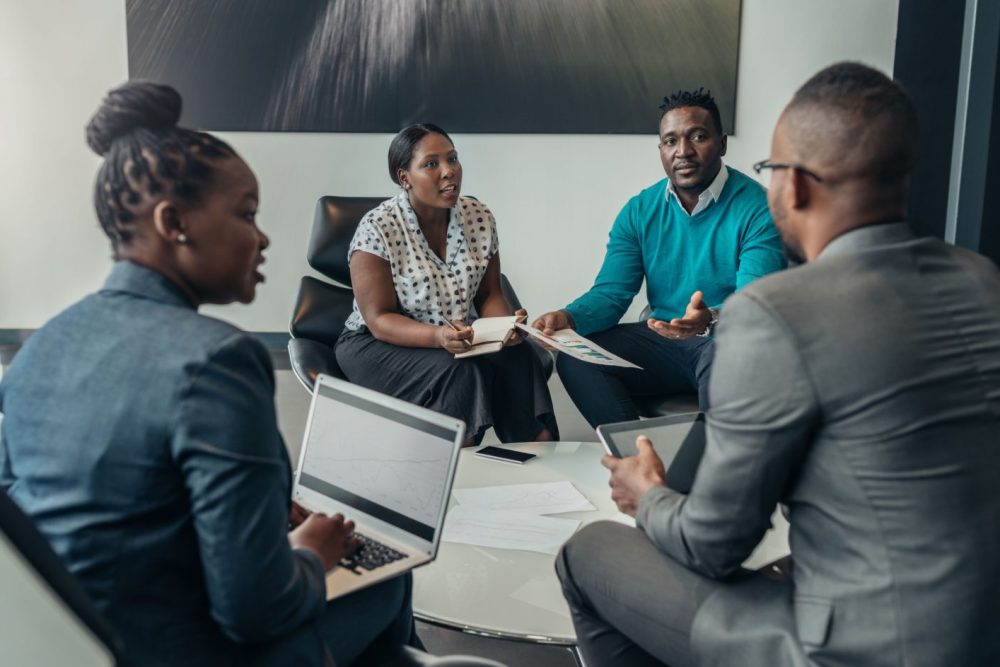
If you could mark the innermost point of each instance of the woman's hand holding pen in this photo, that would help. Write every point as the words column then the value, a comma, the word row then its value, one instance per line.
column 456, row 337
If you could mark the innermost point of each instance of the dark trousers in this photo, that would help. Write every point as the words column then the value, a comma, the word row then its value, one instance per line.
column 506, row 390
column 605, row 394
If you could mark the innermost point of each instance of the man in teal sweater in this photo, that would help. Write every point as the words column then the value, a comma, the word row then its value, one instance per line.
column 696, row 237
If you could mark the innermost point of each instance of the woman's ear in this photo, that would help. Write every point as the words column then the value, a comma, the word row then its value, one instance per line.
column 167, row 222
column 404, row 180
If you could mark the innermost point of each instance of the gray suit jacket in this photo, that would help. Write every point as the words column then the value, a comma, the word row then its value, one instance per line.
column 863, row 391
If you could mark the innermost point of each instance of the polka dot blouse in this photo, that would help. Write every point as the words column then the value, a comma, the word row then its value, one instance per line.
column 428, row 289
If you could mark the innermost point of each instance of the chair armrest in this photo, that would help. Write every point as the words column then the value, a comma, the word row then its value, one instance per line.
column 309, row 358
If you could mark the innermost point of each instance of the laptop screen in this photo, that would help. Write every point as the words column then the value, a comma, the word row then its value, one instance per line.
column 386, row 463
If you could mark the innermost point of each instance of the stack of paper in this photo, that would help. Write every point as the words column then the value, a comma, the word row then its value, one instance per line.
column 512, row 516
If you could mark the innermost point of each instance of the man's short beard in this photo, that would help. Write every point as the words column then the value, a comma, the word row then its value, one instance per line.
column 792, row 253
column 793, row 256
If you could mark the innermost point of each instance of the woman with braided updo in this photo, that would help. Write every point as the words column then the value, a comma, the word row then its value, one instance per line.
column 141, row 436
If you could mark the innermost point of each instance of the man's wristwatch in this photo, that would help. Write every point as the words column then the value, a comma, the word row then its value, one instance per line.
column 711, row 325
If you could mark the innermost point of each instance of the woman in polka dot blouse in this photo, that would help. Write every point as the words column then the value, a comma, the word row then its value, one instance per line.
column 424, row 264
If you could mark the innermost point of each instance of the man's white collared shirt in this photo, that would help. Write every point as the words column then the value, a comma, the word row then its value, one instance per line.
column 708, row 195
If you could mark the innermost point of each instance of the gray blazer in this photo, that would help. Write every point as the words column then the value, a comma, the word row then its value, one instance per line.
column 863, row 391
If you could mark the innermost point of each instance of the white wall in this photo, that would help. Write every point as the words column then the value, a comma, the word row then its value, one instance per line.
column 554, row 195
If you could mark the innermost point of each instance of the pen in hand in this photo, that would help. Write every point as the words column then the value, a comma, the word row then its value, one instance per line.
column 452, row 325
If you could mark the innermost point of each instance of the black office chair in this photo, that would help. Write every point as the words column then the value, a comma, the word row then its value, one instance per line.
column 45, row 633
column 322, row 307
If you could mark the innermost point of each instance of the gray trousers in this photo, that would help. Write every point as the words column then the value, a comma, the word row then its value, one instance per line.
column 633, row 605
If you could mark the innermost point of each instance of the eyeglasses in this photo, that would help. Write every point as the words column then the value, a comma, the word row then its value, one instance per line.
column 767, row 164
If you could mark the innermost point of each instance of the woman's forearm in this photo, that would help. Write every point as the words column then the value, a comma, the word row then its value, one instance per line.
column 404, row 331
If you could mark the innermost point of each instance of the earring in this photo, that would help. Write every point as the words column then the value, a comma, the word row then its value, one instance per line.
column 182, row 238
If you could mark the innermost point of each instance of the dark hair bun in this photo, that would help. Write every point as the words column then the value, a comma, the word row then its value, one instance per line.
column 136, row 104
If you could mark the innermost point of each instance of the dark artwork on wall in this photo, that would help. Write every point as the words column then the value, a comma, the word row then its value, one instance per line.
column 525, row 66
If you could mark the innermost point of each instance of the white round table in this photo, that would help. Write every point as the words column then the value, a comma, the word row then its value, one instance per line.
column 515, row 594
column 502, row 592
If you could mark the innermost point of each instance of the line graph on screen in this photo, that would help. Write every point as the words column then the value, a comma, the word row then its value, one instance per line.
column 400, row 468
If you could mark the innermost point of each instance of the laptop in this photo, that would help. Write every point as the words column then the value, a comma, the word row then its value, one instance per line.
column 385, row 464
column 679, row 441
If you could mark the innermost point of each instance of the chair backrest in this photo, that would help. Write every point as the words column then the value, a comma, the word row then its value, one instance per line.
column 334, row 224
column 45, row 616
column 322, row 308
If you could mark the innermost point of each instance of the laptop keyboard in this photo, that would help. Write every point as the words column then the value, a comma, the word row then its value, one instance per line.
column 370, row 555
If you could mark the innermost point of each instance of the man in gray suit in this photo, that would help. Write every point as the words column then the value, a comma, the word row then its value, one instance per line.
column 862, row 390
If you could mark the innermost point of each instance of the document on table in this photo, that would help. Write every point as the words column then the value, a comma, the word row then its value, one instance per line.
column 540, row 498
column 507, row 530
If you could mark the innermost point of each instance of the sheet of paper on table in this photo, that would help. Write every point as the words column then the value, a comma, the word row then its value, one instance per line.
column 570, row 342
column 540, row 498
column 507, row 530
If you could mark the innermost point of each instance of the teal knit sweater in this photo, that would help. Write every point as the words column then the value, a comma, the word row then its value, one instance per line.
column 718, row 251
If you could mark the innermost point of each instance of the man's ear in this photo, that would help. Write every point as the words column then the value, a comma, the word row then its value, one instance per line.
column 725, row 144
column 167, row 221
column 799, row 189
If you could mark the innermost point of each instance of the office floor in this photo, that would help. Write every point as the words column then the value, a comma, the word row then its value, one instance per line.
column 292, row 402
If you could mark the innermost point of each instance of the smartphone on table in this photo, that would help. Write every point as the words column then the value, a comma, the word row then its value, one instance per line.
column 505, row 455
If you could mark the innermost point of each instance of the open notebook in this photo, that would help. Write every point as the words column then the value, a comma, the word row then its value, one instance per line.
column 489, row 335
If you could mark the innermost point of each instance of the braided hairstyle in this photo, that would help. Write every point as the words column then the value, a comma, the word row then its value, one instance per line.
column 699, row 98
column 145, row 153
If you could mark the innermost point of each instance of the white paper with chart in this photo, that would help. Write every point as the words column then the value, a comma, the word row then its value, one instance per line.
column 570, row 342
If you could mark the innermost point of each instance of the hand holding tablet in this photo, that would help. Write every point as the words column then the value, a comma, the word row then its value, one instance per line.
column 679, row 441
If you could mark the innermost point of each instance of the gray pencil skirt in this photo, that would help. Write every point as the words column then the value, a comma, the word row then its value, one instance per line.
column 506, row 390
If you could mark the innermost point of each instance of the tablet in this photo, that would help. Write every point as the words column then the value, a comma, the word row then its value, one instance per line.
column 679, row 441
